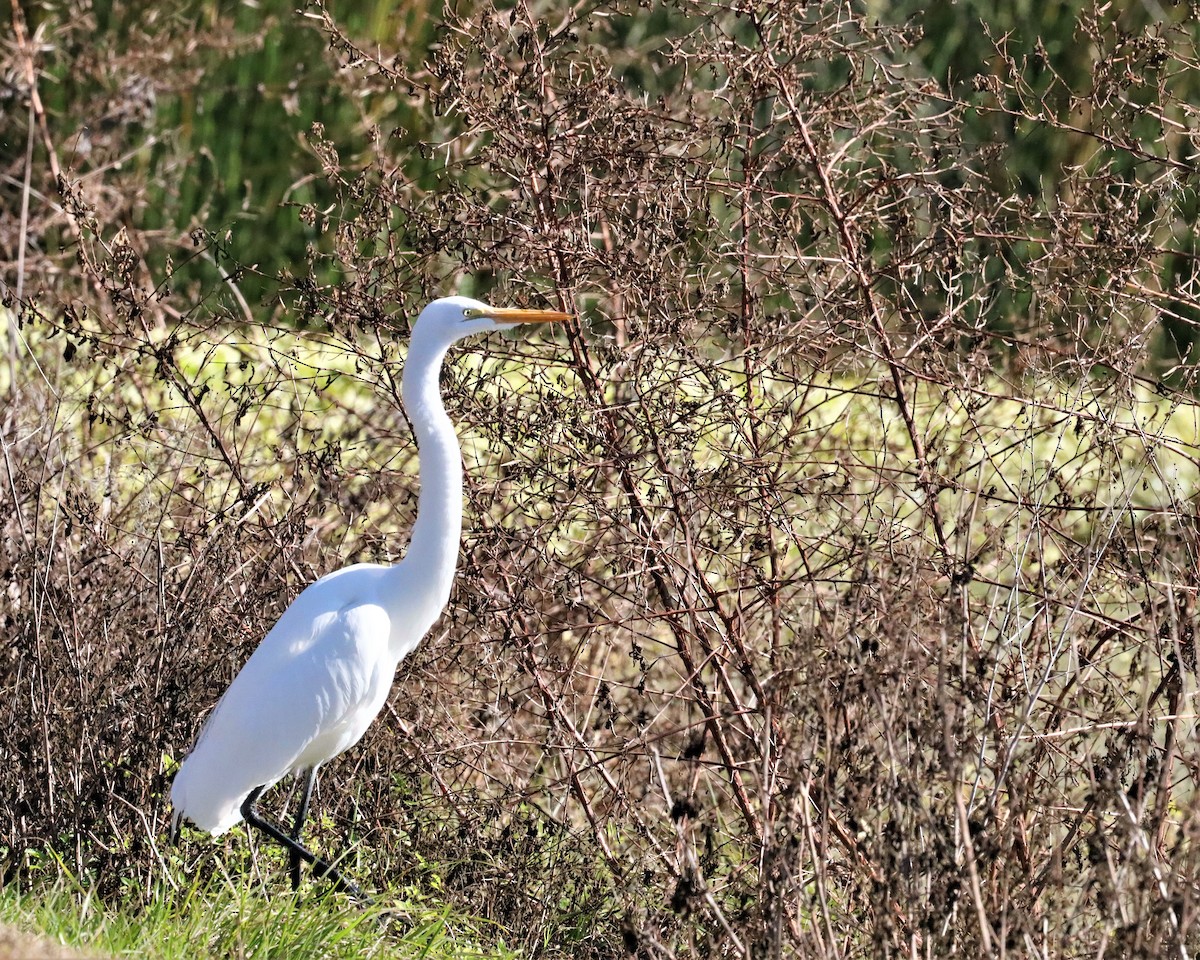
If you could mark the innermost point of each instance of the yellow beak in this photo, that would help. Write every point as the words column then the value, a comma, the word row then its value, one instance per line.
column 517, row 315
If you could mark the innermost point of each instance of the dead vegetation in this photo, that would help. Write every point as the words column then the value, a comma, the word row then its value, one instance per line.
column 828, row 590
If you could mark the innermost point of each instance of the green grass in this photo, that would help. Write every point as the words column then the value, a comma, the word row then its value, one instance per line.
column 220, row 917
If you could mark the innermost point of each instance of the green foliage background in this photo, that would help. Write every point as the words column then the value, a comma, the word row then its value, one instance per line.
column 226, row 141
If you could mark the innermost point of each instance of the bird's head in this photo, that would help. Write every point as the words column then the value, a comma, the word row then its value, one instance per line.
column 452, row 318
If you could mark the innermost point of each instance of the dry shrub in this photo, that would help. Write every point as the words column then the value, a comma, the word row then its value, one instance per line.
column 827, row 590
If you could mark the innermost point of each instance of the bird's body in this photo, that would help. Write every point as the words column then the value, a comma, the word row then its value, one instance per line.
column 322, row 674
column 339, row 644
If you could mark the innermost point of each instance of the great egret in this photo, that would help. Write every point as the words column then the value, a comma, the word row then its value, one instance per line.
column 323, row 672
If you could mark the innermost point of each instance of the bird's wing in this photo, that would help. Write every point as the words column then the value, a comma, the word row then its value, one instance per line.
column 308, row 692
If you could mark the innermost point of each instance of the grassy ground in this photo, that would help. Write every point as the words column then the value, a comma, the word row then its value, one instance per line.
column 227, row 918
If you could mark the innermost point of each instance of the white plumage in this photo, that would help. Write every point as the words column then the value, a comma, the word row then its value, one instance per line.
column 309, row 692
column 322, row 674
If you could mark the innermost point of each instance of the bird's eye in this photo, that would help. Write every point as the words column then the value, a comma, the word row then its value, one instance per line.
column 472, row 313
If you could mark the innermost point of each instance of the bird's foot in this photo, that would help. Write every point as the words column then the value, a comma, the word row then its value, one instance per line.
column 328, row 872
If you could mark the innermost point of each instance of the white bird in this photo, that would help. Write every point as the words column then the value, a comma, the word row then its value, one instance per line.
column 323, row 672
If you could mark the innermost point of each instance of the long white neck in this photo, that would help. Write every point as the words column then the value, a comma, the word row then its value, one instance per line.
column 433, row 550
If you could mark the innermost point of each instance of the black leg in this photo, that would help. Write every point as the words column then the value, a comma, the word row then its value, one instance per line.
column 310, row 778
column 320, row 867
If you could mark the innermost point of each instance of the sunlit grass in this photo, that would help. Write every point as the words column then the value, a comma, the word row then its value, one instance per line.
column 218, row 917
